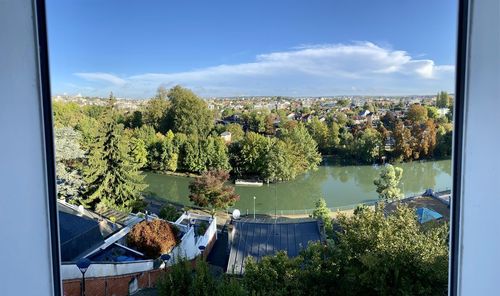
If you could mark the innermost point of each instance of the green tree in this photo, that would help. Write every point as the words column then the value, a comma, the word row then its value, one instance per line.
column 66, row 114
column 442, row 100
column 203, row 283
column 319, row 132
column 112, row 178
column 252, row 154
column 303, row 148
column 194, row 159
column 169, row 153
column 155, row 111
column 334, row 137
column 217, row 153
column 68, row 154
column 322, row 212
column 178, row 280
column 209, row 191
column 256, row 121
column 138, row 152
column 432, row 112
column 188, row 114
column 391, row 255
column 387, row 183
column 274, row 276
column 444, row 135
column 278, row 162
column 169, row 213
column 134, row 120
column 236, row 131
column 367, row 145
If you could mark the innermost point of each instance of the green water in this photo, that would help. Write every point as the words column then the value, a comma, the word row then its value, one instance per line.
column 339, row 185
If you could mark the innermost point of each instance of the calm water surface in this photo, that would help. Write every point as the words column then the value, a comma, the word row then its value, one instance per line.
column 339, row 185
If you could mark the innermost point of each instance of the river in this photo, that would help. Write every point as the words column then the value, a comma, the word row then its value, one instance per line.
column 341, row 186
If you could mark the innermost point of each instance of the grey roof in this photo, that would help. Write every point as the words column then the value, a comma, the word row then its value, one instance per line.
column 77, row 235
column 258, row 239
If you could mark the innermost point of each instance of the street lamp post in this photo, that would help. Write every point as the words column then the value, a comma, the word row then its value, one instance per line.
column 202, row 249
column 165, row 258
column 254, row 207
column 83, row 264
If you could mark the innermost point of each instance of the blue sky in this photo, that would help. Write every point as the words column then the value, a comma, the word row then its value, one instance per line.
column 269, row 47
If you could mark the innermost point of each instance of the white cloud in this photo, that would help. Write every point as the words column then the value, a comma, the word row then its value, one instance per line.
column 102, row 77
column 358, row 68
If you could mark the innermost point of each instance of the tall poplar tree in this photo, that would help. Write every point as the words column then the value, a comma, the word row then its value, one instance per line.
column 112, row 177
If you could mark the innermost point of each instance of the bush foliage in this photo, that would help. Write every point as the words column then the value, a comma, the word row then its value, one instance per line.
column 153, row 238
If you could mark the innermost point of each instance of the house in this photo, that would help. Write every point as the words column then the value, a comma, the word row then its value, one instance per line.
column 123, row 269
column 291, row 116
column 226, row 136
column 364, row 113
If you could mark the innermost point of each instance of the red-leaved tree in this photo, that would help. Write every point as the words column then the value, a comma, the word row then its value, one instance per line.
column 210, row 191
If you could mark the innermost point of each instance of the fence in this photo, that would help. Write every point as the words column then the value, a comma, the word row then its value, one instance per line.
column 307, row 212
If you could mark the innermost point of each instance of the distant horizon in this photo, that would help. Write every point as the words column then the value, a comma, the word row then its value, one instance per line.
column 263, row 96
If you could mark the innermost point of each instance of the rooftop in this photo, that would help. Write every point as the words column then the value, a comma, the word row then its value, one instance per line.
column 264, row 238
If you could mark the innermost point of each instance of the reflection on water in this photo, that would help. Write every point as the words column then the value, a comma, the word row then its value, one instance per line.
column 339, row 185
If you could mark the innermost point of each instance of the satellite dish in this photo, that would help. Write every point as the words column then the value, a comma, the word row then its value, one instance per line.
column 236, row 214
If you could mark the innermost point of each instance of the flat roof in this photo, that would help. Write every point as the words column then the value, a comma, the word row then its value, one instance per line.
column 259, row 239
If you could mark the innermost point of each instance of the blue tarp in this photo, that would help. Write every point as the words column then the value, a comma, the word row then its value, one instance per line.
column 426, row 215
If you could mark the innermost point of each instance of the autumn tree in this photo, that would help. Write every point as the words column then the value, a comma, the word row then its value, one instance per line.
column 403, row 138
column 417, row 113
column 387, row 183
column 210, row 191
column 424, row 139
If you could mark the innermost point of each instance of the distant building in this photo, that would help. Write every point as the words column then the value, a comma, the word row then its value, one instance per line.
column 226, row 136
column 443, row 111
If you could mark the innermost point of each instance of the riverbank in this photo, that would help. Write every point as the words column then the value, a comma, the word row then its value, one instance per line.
column 326, row 160
column 342, row 187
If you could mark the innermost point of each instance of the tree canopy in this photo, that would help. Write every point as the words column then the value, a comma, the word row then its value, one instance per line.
column 210, row 191
column 111, row 176
column 387, row 183
column 188, row 114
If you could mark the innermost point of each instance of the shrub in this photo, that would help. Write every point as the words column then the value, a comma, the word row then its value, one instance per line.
column 169, row 212
column 177, row 281
column 153, row 238
column 201, row 229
